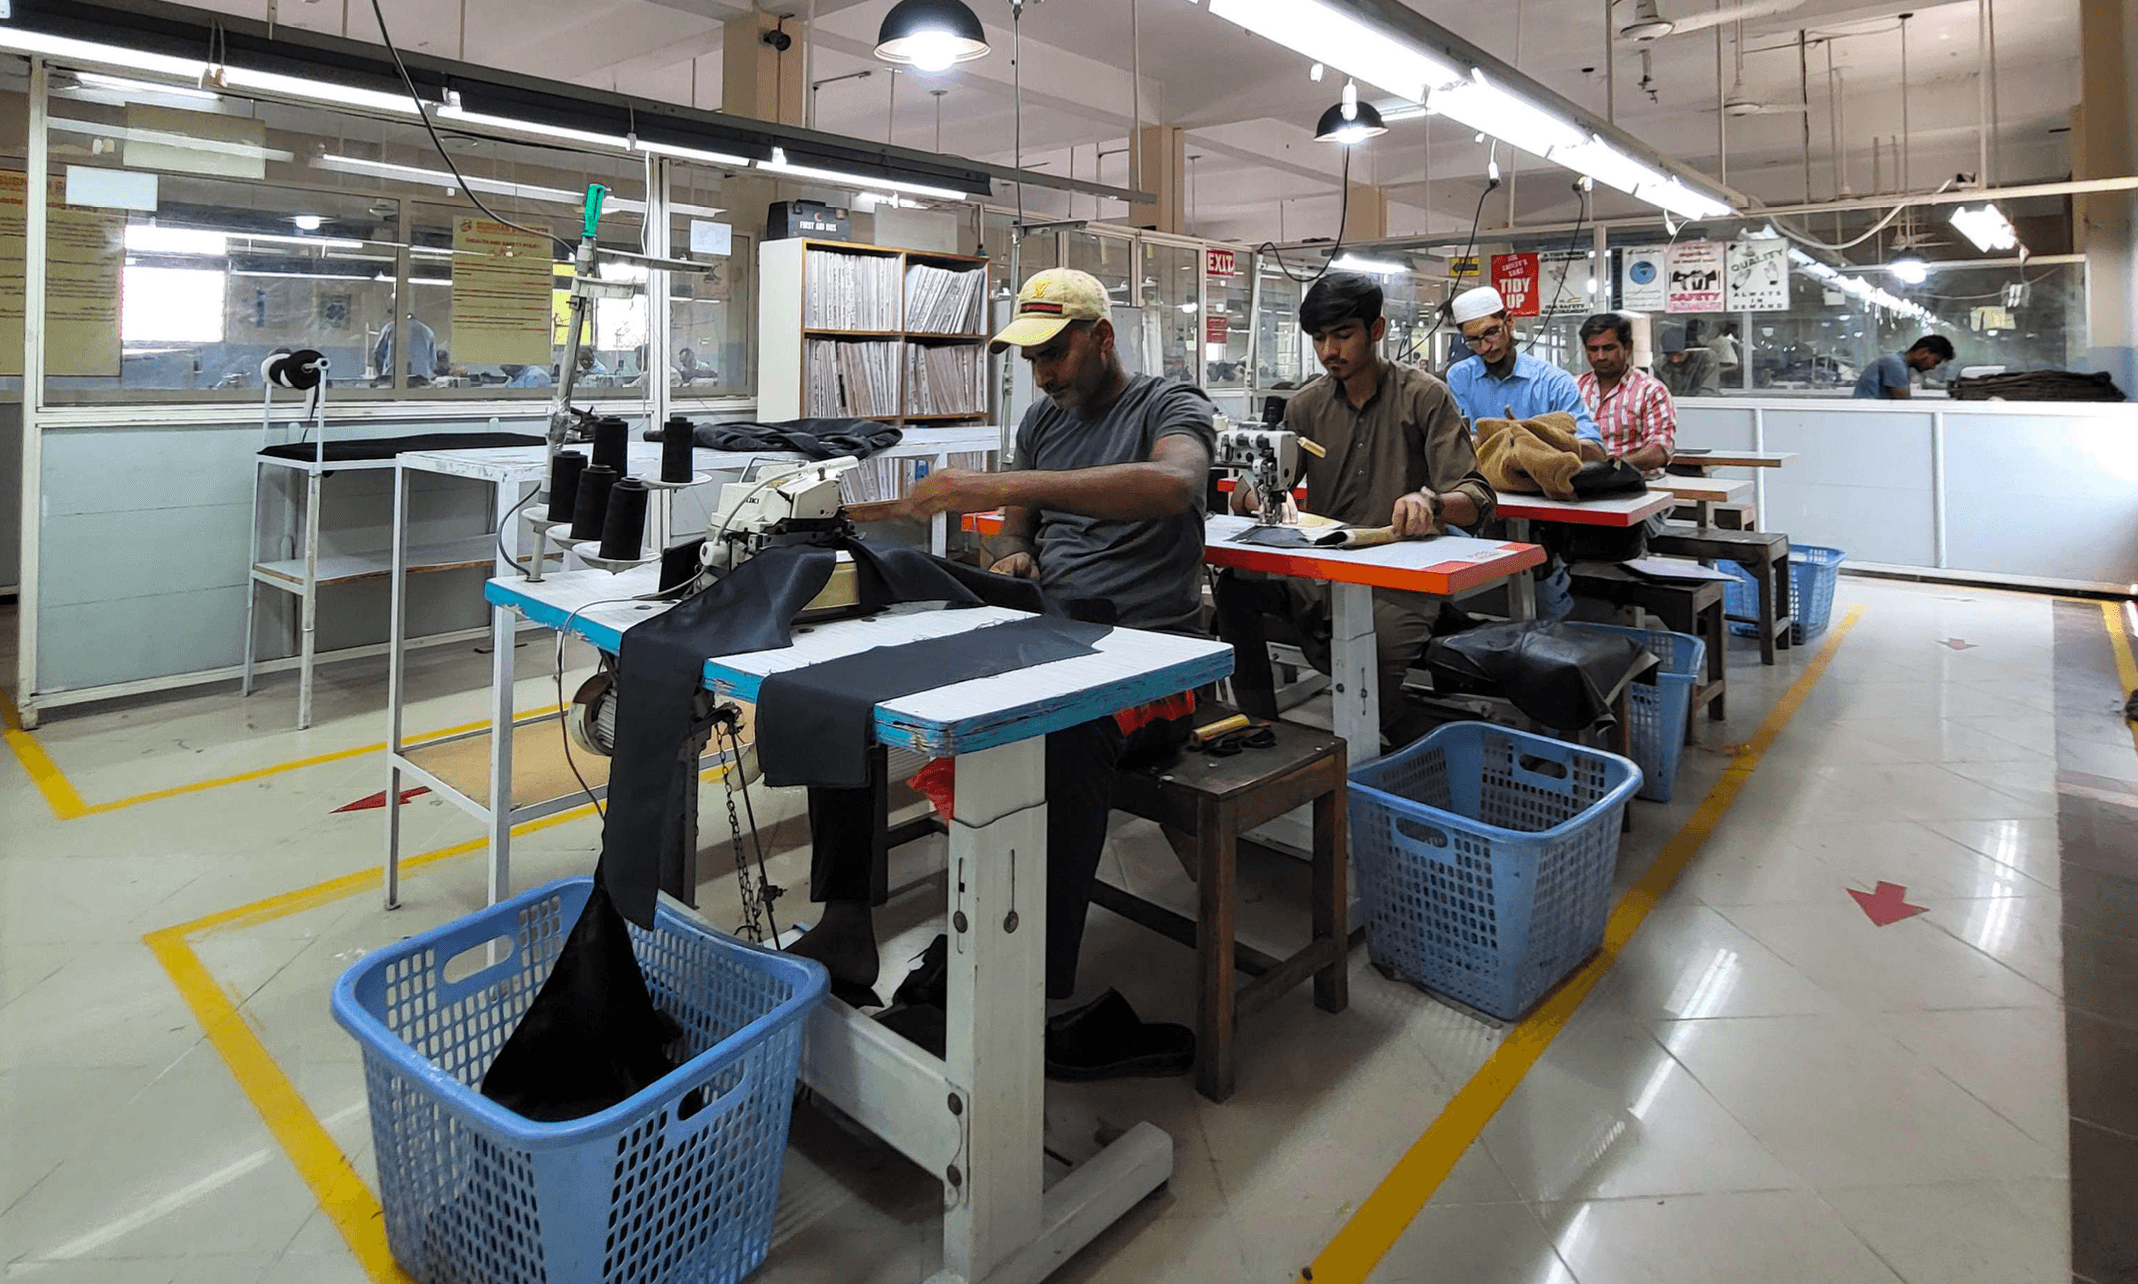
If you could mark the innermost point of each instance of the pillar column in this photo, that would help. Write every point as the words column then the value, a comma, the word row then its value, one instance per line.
column 1164, row 151
column 2104, row 144
column 757, row 80
column 1365, row 214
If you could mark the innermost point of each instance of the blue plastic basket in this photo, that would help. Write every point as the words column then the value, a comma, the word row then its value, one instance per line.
column 1660, row 706
column 1813, row 572
column 649, row 1191
column 1485, row 857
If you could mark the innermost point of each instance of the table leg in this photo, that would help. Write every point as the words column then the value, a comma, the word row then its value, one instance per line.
column 501, row 639
column 1355, row 684
column 1522, row 587
column 997, row 1005
column 308, row 644
column 396, row 625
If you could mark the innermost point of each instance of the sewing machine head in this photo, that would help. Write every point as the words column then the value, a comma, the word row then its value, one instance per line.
column 1265, row 458
column 785, row 504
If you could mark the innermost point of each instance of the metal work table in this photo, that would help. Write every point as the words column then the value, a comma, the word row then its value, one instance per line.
column 451, row 766
column 973, row 1117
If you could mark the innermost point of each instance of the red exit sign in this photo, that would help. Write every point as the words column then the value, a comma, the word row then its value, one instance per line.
column 1221, row 262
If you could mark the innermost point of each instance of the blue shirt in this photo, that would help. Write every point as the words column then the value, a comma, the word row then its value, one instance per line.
column 1889, row 371
column 529, row 377
column 1534, row 387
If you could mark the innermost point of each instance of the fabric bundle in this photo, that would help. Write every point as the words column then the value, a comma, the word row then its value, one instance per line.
column 1530, row 455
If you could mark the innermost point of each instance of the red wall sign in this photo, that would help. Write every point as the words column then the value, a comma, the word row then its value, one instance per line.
column 1220, row 263
column 1214, row 329
column 1515, row 277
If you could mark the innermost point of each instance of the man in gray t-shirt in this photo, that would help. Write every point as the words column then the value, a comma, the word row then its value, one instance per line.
column 1104, row 508
column 1103, row 503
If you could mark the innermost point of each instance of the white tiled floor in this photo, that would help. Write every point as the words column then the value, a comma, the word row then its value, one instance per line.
column 1765, row 1087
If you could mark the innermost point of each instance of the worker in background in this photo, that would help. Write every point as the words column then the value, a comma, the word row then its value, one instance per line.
column 1729, row 355
column 1398, row 454
column 1688, row 369
column 1497, row 380
column 1104, row 509
column 517, row 376
column 1889, row 376
column 422, row 353
column 1632, row 407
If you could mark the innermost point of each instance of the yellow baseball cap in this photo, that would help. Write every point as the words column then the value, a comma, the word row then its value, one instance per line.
column 1050, row 300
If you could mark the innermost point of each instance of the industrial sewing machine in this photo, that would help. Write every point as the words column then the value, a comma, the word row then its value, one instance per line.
column 1266, row 459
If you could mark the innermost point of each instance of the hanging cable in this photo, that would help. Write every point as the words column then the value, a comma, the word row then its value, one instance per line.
column 1876, row 228
column 1343, row 214
column 1582, row 198
column 423, row 113
column 1440, row 313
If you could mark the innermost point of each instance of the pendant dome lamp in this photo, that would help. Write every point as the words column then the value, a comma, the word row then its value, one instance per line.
column 1349, row 122
column 930, row 35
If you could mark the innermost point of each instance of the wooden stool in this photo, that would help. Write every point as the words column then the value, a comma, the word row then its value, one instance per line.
column 1765, row 557
column 1216, row 800
column 1683, row 608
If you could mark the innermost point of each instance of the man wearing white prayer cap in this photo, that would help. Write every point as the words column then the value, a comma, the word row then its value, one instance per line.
column 1499, row 381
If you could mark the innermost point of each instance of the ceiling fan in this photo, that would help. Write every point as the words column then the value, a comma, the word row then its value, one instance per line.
column 1649, row 23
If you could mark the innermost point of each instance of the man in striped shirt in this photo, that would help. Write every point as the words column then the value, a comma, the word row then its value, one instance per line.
column 1632, row 407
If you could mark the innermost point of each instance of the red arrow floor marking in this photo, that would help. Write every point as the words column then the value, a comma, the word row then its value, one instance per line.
column 1958, row 644
column 377, row 801
column 1888, row 905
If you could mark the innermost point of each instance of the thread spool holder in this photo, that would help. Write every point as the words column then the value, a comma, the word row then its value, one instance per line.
column 543, row 529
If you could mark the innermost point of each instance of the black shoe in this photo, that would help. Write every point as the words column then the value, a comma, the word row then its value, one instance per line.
column 1105, row 1039
column 929, row 984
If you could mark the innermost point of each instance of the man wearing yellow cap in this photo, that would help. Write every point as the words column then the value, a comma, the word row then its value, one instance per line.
column 1103, row 506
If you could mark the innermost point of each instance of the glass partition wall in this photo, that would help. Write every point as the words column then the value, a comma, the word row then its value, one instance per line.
column 207, row 230
column 1858, row 286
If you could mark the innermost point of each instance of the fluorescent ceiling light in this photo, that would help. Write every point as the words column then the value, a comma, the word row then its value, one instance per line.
column 1683, row 201
column 876, row 200
column 268, row 82
column 778, row 165
column 1987, row 227
column 692, row 153
column 455, row 113
column 1379, row 267
column 1326, row 34
column 494, row 186
column 1488, row 108
column 17, row 40
column 169, row 138
column 1909, row 269
column 122, row 85
column 322, row 242
column 304, row 276
column 445, row 178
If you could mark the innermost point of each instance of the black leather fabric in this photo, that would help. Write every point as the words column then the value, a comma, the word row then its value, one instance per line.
column 1601, row 477
column 1562, row 675
column 592, row 1036
column 816, row 438
column 815, row 724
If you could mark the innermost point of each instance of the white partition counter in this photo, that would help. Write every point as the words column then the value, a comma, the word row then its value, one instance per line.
column 2041, row 494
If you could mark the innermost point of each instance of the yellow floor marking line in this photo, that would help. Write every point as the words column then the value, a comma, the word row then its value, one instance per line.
column 44, row 773
column 2119, row 641
column 1374, row 1229
column 67, row 804
column 341, row 1192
